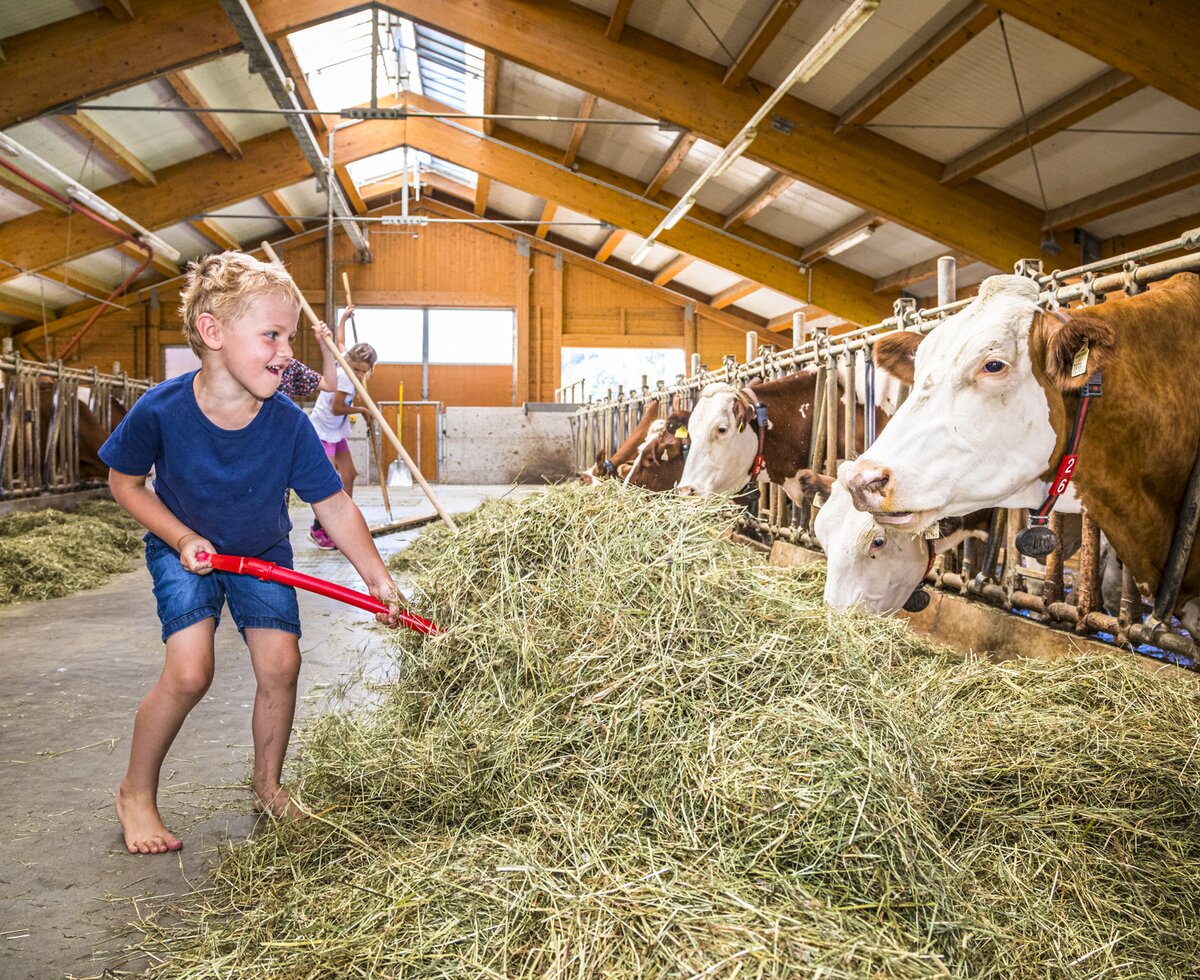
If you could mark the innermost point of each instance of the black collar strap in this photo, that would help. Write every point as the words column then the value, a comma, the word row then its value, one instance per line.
column 609, row 468
column 1037, row 540
column 748, row 396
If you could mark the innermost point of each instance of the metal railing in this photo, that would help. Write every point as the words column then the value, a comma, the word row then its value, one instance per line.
column 40, row 435
column 993, row 573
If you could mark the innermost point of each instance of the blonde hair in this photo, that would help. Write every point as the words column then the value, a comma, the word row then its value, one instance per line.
column 224, row 285
column 364, row 354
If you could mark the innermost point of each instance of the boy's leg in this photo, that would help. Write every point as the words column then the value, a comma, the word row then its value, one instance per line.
column 275, row 656
column 187, row 673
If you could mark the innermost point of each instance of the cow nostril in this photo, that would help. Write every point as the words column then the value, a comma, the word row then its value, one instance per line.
column 686, row 491
column 878, row 485
column 870, row 480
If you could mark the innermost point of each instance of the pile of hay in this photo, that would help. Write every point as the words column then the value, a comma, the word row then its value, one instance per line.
column 638, row 752
column 49, row 553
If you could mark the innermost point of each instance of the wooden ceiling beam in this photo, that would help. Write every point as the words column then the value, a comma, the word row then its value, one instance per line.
column 820, row 248
column 586, row 107
column 914, row 274
column 291, row 64
column 25, row 309
column 672, row 269
column 548, row 213
column 277, row 204
column 28, row 192
column 615, row 237
column 762, row 198
column 429, row 178
column 122, row 10
column 739, row 290
column 483, row 186
column 768, row 29
column 1072, row 108
column 108, row 146
column 491, row 72
column 215, row 234
column 1127, row 194
column 159, row 263
column 937, row 50
column 74, row 278
column 1120, row 244
column 616, row 21
column 1154, row 42
column 210, row 121
column 350, row 189
column 678, row 152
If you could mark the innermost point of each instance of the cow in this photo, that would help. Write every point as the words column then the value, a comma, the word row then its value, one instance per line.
column 607, row 466
column 91, row 432
column 995, row 391
column 659, row 463
column 725, row 436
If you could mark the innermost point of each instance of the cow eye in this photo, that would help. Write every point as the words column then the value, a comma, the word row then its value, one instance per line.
column 722, row 429
column 878, row 542
column 994, row 366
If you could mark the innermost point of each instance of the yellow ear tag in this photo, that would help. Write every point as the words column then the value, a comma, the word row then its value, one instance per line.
column 681, row 433
column 741, row 425
column 1079, row 365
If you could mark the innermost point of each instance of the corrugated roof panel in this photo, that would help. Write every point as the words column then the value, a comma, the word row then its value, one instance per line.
column 12, row 205
column 521, row 91
column 50, row 140
column 718, row 33
column 803, row 214
column 634, row 150
column 1181, row 204
column 1075, row 165
column 17, row 18
column 975, row 88
column 890, row 249
column 227, row 82
column 30, row 289
column 704, row 276
column 158, row 139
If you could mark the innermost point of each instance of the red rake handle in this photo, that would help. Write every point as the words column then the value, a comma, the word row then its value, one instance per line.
column 268, row 571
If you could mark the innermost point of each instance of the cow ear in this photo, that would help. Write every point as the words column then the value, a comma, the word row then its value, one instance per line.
column 814, row 484
column 1077, row 349
column 741, row 414
column 896, row 354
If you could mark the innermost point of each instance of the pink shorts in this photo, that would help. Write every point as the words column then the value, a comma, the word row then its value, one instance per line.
column 333, row 448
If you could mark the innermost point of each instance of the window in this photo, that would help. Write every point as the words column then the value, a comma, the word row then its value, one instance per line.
column 456, row 336
column 601, row 368
column 178, row 360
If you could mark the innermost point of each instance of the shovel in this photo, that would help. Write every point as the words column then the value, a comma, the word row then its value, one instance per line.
column 268, row 571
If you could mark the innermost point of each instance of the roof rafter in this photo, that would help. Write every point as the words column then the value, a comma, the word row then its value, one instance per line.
column 675, row 156
column 672, row 269
column 615, row 237
column 586, row 107
column 26, row 309
column 282, row 211
column 914, row 274
column 160, row 263
column 1145, row 187
column 188, row 95
column 756, row 45
column 291, row 65
column 108, row 146
column 1073, row 107
column 616, row 22
column 215, row 234
column 483, row 186
column 739, row 290
column 966, row 25
column 491, row 78
column 548, row 213
column 122, row 10
column 820, row 248
column 761, row 198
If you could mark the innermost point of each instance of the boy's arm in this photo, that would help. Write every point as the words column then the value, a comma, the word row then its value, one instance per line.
column 342, row 519
column 144, row 506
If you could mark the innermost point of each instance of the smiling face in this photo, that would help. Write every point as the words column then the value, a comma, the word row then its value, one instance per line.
column 254, row 346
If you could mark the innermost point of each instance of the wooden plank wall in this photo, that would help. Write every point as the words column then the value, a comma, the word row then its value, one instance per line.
column 560, row 299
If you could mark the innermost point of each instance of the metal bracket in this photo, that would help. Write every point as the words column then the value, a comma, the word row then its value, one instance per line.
column 781, row 124
column 904, row 309
column 1132, row 287
column 1030, row 268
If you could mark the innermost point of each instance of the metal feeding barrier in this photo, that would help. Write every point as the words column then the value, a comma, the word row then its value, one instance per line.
column 1064, row 593
column 40, row 427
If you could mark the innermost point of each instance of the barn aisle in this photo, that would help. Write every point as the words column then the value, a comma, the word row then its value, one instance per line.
column 71, row 676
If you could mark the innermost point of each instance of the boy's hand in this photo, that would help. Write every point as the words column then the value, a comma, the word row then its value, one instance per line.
column 385, row 591
column 189, row 545
column 321, row 332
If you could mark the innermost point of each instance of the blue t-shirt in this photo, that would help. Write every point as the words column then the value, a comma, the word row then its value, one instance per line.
column 228, row 485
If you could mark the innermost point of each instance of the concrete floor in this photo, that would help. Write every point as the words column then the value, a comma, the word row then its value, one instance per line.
column 72, row 672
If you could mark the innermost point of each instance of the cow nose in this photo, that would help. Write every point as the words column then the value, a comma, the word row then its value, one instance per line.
column 868, row 484
column 686, row 491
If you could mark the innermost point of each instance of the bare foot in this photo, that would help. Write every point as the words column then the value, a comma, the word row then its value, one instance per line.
column 278, row 803
column 145, row 833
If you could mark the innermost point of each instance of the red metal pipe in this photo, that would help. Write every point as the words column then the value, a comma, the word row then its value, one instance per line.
column 73, row 205
column 268, row 571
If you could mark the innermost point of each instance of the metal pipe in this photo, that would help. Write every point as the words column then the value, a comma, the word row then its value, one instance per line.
column 947, row 289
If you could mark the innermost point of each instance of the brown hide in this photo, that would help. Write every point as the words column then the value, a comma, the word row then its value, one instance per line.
column 1142, row 435
column 790, row 413
column 91, row 433
column 661, row 465
column 628, row 449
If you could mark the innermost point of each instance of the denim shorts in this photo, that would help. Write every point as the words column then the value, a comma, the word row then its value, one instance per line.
column 185, row 598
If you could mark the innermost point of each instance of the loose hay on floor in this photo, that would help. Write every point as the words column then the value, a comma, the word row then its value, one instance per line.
column 638, row 752
column 49, row 553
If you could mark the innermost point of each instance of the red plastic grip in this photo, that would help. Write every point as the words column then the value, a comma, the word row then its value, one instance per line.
column 269, row 571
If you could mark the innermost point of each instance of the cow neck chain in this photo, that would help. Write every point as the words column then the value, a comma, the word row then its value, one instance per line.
column 1037, row 537
column 748, row 397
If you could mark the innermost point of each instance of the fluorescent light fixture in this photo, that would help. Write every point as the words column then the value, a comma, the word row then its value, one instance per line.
column 643, row 250
column 9, row 147
column 79, row 193
column 675, row 215
column 854, row 238
column 831, row 42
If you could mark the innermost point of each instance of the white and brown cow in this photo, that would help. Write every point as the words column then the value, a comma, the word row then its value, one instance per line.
column 995, row 393
column 607, row 466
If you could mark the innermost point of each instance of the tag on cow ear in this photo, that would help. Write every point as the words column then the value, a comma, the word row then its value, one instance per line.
column 917, row 601
column 1079, row 365
column 681, row 432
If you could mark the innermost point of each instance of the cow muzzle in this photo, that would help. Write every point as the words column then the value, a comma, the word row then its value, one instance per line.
column 869, row 486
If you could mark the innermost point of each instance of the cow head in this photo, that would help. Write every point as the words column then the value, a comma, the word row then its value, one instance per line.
column 723, row 442
column 868, row 567
column 986, row 412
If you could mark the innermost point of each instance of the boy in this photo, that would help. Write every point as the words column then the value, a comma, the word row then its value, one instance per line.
column 225, row 446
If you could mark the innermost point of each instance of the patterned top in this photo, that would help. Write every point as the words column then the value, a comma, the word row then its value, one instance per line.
column 298, row 380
